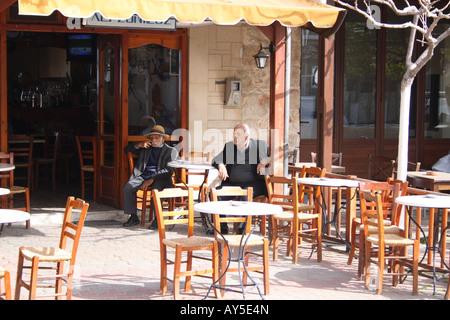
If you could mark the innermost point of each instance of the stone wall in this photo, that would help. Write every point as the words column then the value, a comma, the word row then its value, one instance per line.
column 220, row 52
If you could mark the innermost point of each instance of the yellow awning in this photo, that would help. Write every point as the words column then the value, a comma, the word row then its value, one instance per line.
column 310, row 14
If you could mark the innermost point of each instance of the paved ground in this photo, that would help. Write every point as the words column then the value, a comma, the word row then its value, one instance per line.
column 117, row 263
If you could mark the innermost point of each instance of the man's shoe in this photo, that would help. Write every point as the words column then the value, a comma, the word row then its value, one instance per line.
column 132, row 221
column 154, row 225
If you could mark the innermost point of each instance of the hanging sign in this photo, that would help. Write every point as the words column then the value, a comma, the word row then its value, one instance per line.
column 133, row 22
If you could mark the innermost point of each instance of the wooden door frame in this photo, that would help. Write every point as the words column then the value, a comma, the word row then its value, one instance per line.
column 131, row 38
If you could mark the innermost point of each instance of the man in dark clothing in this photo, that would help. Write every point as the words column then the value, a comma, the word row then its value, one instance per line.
column 243, row 161
column 150, row 170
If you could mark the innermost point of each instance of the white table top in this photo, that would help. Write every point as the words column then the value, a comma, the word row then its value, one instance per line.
column 187, row 164
column 329, row 182
column 4, row 191
column 11, row 215
column 425, row 201
column 238, row 208
column 6, row 167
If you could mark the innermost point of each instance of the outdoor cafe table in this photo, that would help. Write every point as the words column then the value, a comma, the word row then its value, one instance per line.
column 432, row 202
column 237, row 208
column 4, row 191
column 335, row 183
column 197, row 166
column 6, row 167
column 11, row 216
column 192, row 165
column 431, row 180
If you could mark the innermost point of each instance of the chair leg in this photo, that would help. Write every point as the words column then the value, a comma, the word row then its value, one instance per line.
column 176, row 272
column 19, row 275
column 223, row 267
column 380, row 272
column 187, row 283
column 275, row 238
column 215, row 265
column 163, row 278
column 27, row 205
column 416, row 253
column 294, row 228
column 58, row 285
column 361, row 254
column 266, row 267
column 7, row 282
column 319, row 237
column 353, row 244
column 33, row 278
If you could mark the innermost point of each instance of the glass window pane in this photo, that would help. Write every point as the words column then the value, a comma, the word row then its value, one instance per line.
column 437, row 92
column 153, row 89
column 308, row 83
column 359, row 78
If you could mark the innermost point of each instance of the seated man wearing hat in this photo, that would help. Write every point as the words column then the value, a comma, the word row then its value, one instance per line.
column 150, row 170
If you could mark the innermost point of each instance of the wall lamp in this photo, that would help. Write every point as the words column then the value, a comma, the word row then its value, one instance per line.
column 261, row 57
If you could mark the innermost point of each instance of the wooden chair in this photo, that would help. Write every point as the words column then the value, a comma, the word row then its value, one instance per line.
column 388, row 191
column 336, row 158
column 8, row 177
column 387, row 246
column 411, row 166
column 379, row 168
column 141, row 194
column 22, row 147
column 66, row 151
column 87, row 154
column 295, row 214
column 48, row 160
column 189, row 244
column 294, row 156
column 4, row 274
column 54, row 255
column 234, row 240
column 187, row 174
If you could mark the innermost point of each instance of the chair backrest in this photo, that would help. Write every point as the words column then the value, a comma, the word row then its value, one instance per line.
column 186, row 174
column 388, row 193
column 379, row 168
column 230, row 192
column 306, row 191
column 22, row 147
column 130, row 157
column 372, row 212
column 87, row 151
column 51, row 145
column 287, row 201
column 336, row 158
column 166, row 217
column 411, row 166
column 72, row 230
column 7, row 177
column 294, row 155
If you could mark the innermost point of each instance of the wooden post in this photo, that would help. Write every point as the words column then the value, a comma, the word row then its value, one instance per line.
column 3, row 85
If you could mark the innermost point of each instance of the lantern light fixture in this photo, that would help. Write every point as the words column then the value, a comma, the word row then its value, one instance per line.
column 261, row 57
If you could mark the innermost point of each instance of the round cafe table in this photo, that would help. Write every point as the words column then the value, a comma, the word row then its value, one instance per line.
column 4, row 191
column 6, row 167
column 195, row 165
column 11, row 216
column 430, row 201
column 237, row 208
column 330, row 183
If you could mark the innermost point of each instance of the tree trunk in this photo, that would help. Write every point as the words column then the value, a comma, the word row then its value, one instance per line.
column 403, row 134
